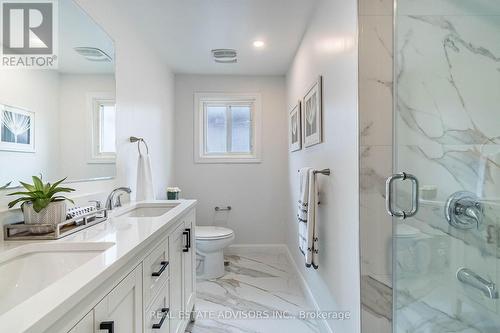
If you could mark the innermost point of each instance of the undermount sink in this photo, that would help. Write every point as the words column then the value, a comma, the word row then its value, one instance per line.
column 27, row 269
column 149, row 210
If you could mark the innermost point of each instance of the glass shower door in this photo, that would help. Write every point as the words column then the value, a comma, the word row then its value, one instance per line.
column 446, row 207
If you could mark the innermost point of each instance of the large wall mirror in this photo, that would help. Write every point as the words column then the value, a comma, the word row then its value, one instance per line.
column 61, row 122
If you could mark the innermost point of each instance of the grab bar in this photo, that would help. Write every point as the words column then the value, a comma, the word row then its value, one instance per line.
column 325, row 172
column 223, row 209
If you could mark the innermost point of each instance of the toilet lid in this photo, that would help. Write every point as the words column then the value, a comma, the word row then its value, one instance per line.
column 203, row 232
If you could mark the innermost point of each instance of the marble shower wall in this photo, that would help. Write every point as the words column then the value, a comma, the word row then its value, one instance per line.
column 448, row 134
column 375, row 123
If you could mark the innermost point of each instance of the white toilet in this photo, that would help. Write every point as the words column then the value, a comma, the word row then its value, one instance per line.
column 210, row 244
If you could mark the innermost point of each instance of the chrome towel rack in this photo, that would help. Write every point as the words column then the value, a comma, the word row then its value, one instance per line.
column 134, row 139
column 325, row 172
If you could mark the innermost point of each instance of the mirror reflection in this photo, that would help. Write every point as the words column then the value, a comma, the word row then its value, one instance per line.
column 61, row 122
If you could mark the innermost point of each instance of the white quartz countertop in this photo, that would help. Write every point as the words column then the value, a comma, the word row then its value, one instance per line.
column 130, row 236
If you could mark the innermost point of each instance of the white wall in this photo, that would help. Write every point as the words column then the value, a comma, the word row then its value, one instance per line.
column 75, row 133
column 145, row 101
column 37, row 91
column 256, row 192
column 144, row 93
column 329, row 48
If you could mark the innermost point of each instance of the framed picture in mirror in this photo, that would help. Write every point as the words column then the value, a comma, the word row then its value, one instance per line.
column 17, row 129
column 294, row 128
column 312, row 114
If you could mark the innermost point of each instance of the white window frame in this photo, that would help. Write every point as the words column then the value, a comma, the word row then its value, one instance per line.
column 94, row 100
column 200, row 102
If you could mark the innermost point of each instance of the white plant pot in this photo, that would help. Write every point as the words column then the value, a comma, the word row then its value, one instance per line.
column 54, row 213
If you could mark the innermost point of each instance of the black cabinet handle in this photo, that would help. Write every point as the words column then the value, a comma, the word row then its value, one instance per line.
column 163, row 316
column 164, row 265
column 189, row 237
column 187, row 234
column 108, row 325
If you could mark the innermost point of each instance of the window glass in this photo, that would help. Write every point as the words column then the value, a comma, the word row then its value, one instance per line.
column 107, row 128
column 216, row 129
column 241, row 129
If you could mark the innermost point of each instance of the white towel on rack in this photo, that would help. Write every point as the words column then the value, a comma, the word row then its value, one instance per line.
column 306, row 216
column 145, row 189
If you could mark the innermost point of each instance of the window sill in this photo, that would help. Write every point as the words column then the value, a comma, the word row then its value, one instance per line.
column 227, row 160
column 102, row 161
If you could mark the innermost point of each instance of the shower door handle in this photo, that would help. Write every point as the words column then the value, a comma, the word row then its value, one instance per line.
column 414, row 195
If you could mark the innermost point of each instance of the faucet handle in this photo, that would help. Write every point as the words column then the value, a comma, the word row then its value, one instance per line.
column 463, row 210
column 98, row 204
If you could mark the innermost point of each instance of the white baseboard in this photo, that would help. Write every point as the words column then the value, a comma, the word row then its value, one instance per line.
column 254, row 248
column 324, row 326
column 241, row 249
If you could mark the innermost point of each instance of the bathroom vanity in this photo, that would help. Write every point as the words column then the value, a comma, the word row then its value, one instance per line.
column 132, row 273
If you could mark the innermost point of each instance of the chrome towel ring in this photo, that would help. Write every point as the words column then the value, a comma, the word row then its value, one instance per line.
column 134, row 139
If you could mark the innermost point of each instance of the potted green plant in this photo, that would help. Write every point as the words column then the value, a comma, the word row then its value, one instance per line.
column 173, row 193
column 42, row 203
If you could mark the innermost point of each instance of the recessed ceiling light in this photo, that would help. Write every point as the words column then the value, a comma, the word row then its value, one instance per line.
column 258, row 44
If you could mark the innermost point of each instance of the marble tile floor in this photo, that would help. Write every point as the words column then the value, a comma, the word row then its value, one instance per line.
column 254, row 285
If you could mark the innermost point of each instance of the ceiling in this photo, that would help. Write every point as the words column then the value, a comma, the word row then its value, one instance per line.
column 185, row 31
column 77, row 29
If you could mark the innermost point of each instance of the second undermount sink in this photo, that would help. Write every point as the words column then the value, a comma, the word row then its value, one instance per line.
column 27, row 269
column 149, row 210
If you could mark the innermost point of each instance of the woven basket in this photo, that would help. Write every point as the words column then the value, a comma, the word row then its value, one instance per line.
column 54, row 213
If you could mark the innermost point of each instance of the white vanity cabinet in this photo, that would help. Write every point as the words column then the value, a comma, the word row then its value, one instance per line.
column 177, row 244
column 157, row 295
column 189, row 265
column 86, row 325
column 121, row 310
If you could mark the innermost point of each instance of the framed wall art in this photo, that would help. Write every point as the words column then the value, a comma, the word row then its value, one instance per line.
column 312, row 114
column 17, row 129
column 294, row 128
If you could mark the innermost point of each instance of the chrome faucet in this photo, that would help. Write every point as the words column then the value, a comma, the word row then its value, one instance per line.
column 488, row 288
column 114, row 201
column 463, row 210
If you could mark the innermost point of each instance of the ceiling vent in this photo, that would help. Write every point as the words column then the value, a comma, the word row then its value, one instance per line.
column 225, row 56
column 93, row 54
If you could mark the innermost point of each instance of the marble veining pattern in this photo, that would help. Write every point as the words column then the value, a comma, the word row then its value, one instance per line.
column 376, row 297
column 375, row 159
column 448, row 134
column 253, row 283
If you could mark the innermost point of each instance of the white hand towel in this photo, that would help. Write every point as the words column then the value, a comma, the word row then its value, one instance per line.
column 145, row 189
column 306, row 216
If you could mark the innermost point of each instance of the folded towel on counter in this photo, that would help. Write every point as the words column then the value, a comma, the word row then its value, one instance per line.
column 306, row 217
column 145, row 189
column 78, row 211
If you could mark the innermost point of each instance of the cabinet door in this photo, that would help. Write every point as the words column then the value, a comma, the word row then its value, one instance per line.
column 176, row 245
column 122, row 307
column 189, row 266
column 156, row 318
column 86, row 325
column 155, row 269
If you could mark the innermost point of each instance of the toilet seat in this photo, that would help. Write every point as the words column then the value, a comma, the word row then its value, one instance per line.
column 212, row 233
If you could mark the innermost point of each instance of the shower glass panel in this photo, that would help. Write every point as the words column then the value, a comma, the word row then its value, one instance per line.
column 446, row 269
